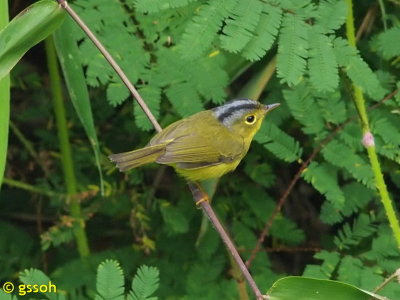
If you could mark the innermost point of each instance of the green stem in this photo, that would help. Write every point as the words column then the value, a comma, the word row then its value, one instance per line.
column 4, row 99
column 24, row 141
column 66, row 153
column 30, row 188
column 373, row 157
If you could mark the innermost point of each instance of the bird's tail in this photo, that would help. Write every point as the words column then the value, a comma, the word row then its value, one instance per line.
column 132, row 159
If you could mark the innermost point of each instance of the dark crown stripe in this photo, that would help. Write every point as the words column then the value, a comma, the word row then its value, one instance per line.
column 231, row 110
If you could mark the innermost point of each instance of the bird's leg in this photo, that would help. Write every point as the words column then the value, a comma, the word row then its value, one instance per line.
column 199, row 195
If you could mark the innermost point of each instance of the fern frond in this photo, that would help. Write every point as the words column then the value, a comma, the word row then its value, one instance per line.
column 265, row 33
column 350, row 269
column 152, row 6
column 332, row 107
column 184, row 98
column 304, row 109
column 357, row 69
column 278, row 142
column 287, row 231
column 349, row 236
column 331, row 15
column 240, row 26
column 326, row 269
column 387, row 126
column 34, row 276
column 202, row 30
column 344, row 157
column 152, row 96
column 351, row 135
column 383, row 246
column 323, row 178
column 322, row 64
column 110, row 281
column 209, row 77
column 175, row 221
column 385, row 43
column 329, row 214
column 388, row 150
column 357, row 197
column 116, row 93
column 292, row 49
column 144, row 284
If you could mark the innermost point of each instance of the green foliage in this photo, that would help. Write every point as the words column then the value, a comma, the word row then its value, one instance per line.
column 292, row 48
column 109, row 281
column 144, row 284
column 357, row 69
column 350, row 236
column 185, row 56
column 324, row 178
column 384, row 44
column 278, row 142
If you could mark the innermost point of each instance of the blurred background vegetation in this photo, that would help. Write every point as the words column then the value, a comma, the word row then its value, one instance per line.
column 185, row 56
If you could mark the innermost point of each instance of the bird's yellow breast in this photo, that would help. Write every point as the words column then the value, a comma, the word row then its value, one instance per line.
column 207, row 172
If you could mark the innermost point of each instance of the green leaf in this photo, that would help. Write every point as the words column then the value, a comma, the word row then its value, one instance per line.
column 322, row 62
column 304, row 108
column 292, row 49
column 173, row 218
column 302, row 288
column 331, row 15
column 353, row 163
column 357, row 69
column 152, row 6
column 265, row 33
column 326, row 269
column 287, row 231
column 324, row 178
column 239, row 28
column 144, row 284
column 152, row 96
column 110, row 281
column 205, row 25
column 352, row 235
column 5, row 296
column 184, row 99
column 278, row 142
column 384, row 44
column 4, row 100
column 27, row 29
column 35, row 276
column 68, row 55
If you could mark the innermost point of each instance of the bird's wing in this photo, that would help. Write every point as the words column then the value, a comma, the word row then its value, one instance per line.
column 206, row 143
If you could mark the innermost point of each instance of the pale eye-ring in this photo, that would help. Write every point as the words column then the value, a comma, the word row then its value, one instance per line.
column 250, row 119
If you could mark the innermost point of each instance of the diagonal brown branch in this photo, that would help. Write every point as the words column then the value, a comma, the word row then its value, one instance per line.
column 303, row 166
column 196, row 192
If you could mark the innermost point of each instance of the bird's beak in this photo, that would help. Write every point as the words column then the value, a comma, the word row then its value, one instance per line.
column 270, row 107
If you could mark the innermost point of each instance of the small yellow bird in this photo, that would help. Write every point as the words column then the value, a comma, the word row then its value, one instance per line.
column 205, row 145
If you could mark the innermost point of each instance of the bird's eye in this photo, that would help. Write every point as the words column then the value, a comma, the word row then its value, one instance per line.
column 250, row 119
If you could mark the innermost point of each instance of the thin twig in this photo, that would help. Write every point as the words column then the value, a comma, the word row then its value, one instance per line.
column 195, row 191
column 205, row 205
column 387, row 280
column 303, row 166
column 112, row 62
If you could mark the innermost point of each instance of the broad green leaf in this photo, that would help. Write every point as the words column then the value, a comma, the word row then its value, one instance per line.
column 26, row 30
column 4, row 100
column 68, row 54
column 303, row 288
